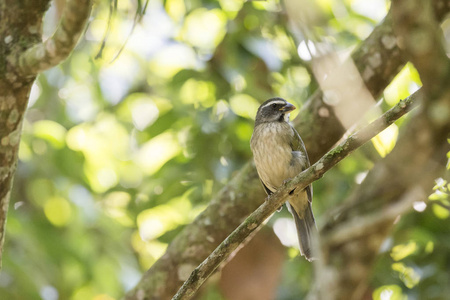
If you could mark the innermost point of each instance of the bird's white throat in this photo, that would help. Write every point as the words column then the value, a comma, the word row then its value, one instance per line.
column 286, row 117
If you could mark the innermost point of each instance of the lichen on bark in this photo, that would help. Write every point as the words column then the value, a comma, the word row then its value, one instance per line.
column 21, row 40
column 319, row 134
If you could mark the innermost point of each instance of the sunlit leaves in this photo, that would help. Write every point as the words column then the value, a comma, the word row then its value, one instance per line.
column 244, row 105
column 154, row 222
column 81, row 66
column 404, row 84
column 399, row 252
column 440, row 199
column 39, row 190
column 269, row 5
column 117, row 78
column 176, row 9
column 198, row 92
column 244, row 131
column 407, row 274
column 50, row 131
column 115, row 205
column 149, row 251
column 117, row 157
column 231, row 7
column 79, row 101
column 385, row 141
column 143, row 110
column 389, row 292
column 173, row 59
column 101, row 145
column 292, row 85
column 58, row 211
column 441, row 212
column 155, row 153
column 204, row 28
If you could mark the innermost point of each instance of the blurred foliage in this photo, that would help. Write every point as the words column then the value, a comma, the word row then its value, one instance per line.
column 118, row 154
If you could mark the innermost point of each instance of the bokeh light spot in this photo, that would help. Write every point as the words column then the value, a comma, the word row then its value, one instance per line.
column 58, row 211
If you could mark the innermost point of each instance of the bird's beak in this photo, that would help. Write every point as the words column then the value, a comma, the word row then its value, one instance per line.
column 288, row 107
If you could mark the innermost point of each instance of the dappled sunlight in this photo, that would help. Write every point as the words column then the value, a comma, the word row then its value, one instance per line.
column 231, row 7
column 119, row 153
column 50, row 131
column 408, row 275
column 149, row 251
column 104, row 146
column 79, row 99
column 204, row 28
column 115, row 205
column 176, row 9
column 440, row 197
column 172, row 59
column 270, row 5
column 389, row 292
column 440, row 212
column 198, row 93
column 399, row 252
column 143, row 110
column 385, row 141
column 404, row 84
column 58, row 211
column 116, row 78
column 155, row 153
column 154, row 222
column 244, row 105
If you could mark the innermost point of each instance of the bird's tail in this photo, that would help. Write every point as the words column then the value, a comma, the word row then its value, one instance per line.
column 306, row 230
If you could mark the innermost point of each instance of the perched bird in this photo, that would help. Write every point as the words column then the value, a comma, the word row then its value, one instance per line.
column 279, row 155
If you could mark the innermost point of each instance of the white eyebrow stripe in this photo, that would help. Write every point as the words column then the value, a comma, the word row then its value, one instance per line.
column 274, row 102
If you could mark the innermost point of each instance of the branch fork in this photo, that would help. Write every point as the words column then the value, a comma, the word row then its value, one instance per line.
column 316, row 171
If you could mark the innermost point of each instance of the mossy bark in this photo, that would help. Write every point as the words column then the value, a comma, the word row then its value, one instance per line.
column 20, row 28
column 320, row 130
column 22, row 56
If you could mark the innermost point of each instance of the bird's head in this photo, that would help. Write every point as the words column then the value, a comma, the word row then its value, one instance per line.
column 274, row 110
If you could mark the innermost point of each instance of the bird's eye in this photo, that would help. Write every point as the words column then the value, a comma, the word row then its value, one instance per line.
column 274, row 105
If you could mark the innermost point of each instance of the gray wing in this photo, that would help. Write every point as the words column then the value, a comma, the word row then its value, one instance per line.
column 298, row 145
column 269, row 192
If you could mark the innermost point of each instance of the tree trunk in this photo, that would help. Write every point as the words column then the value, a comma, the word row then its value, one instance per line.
column 20, row 28
column 22, row 56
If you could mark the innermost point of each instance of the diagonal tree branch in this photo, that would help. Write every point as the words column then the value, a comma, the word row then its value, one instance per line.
column 352, row 238
column 419, row 35
column 57, row 48
column 316, row 171
column 320, row 129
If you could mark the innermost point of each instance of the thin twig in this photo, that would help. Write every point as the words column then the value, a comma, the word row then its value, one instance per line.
column 316, row 171
column 361, row 225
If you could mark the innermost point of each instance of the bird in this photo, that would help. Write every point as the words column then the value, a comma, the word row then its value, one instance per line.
column 279, row 155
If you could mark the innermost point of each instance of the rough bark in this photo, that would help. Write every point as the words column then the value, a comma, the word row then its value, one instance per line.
column 57, row 48
column 407, row 174
column 319, row 128
column 316, row 171
column 22, row 56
